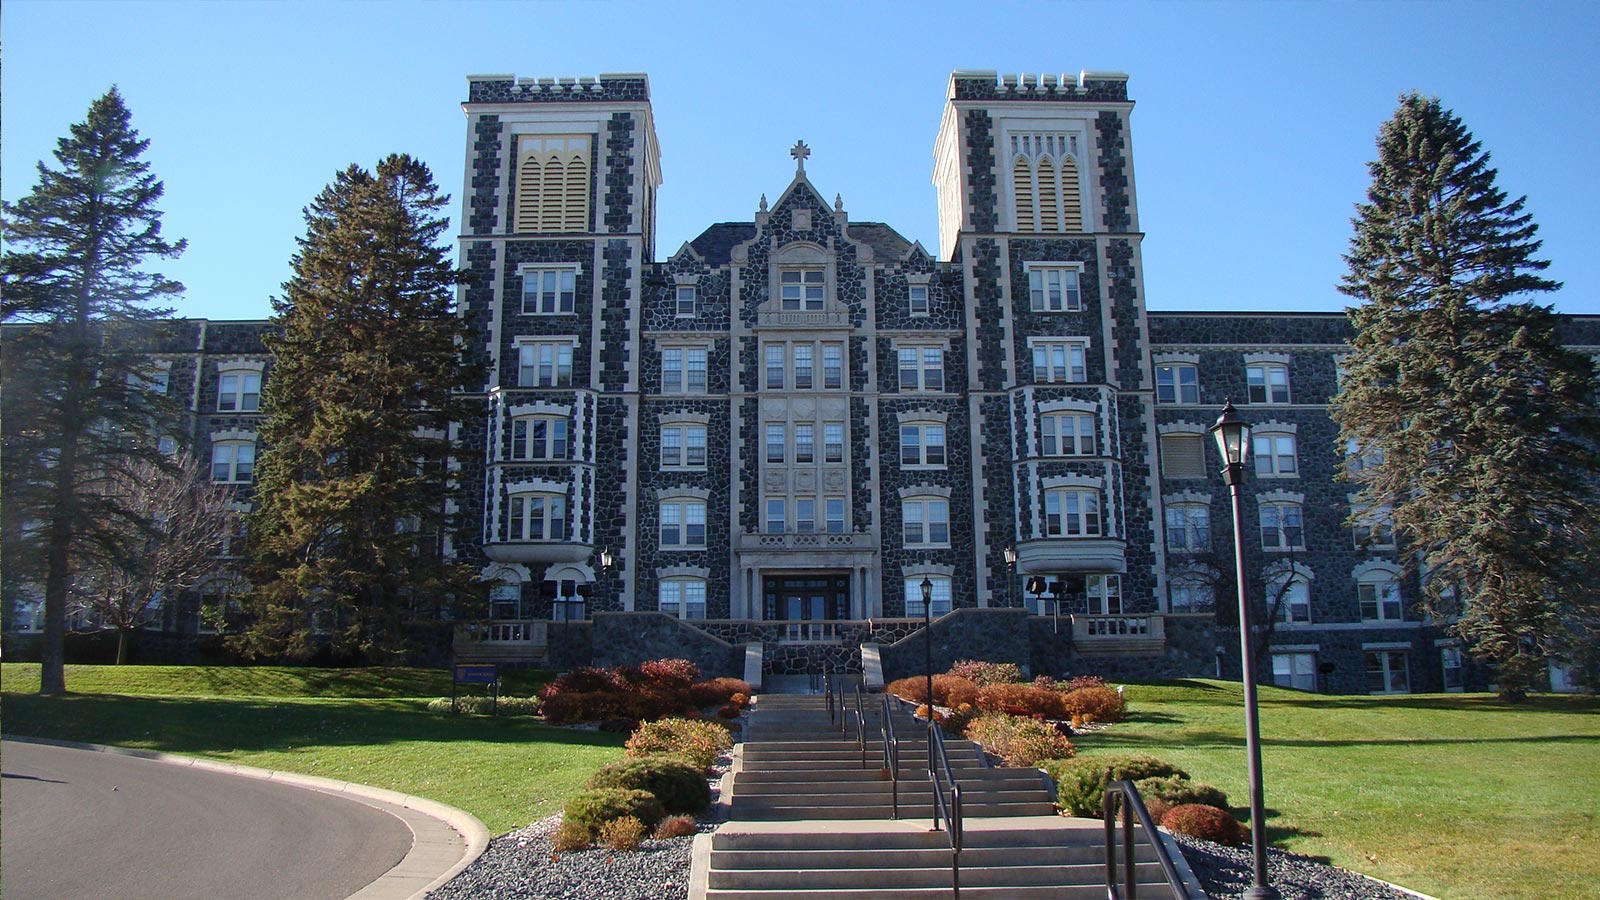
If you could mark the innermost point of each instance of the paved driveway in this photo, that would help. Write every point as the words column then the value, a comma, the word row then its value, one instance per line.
column 85, row 825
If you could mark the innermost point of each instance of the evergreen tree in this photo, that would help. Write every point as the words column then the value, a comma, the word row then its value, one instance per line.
column 1477, row 430
column 76, row 411
column 354, row 483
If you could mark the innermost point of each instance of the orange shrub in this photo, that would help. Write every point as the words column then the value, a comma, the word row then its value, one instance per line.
column 675, row 826
column 1018, row 741
column 717, row 691
column 948, row 690
column 1022, row 700
column 669, row 674
column 1204, row 822
column 1096, row 704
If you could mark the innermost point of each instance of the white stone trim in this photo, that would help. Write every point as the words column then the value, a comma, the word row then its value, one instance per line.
column 1281, row 497
column 1273, row 426
column 1056, row 482
column 1069, row 405
column 1386, row 645
column 1170, row 357
column 1265, row 357
column 1372, row 566
column 1166, row 428
column 925, row 490
column 683, row 418
column 700, row 572
column 922, row 415
column 683, row 492
column 233, row 434
column 1186, row 497
column 537, row 486
column 240, row 364
column 538, row 408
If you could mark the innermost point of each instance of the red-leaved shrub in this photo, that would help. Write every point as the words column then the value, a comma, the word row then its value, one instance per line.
column 729, row 711
column 1022, row 700
column 1204, row 822
column 675, row 826
column 567, row 707
column 717, row 691
column 1083, row 681
column 1097, row 704
column 1018, row 741
column 669, row 674
column 983, row 673
column 582, row 679
column 948, row 690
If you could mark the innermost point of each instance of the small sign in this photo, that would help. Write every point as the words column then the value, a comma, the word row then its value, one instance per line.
column 470, row 674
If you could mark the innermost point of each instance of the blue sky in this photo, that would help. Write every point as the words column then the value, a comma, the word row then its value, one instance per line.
column 1253, row 126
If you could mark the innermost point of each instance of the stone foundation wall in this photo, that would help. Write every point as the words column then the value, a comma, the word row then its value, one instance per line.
column 630, row 638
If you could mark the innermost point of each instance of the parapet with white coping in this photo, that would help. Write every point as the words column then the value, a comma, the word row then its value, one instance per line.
column 1086, row 86
column 608, row 87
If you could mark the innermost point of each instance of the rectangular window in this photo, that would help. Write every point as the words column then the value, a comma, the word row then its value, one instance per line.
column 1188, row 528
column 549, row 291
column 833, row 442
column 683, row 370
column 697, row 370
column 922, row 445
column 1387, row 672
column 918, row 300
column 1380, row 600
column 1290, row 601
column 539, row 437
column 685, row 300
column 938, row 599
column 239, row 392
column 683, row 524
column 834, row 507
column 921, row 368
column 537, row 517
column 776, row 515
column 1371, row 526
column 1450, row 661
column 803, row 367
column 1281, row 527
column 1274, row 454
column 544, row 364
column 682, row 597
column 1191, row 596
column 805, row 443
column 1072, row 513
column 1183, row 456
column 671, row 447
column 1295, row 670
column 1177, row 383
column 801, row 289
column 695, row 436
column 683, row 447
column 1059, row 362
column 805, row 516
column 1066, row 434
column 233, row 461
column 1267, row 382
column 1054, row 290
column 926, row 523
column 833, row 366
column 777, row 443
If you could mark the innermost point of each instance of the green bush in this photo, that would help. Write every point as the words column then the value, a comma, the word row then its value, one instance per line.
column 595, row 807
column 1081, row 782
column 671, row 777
column 1204, row 822
column 1175, row 791
column 477, row 705
column 1019, row 741
column 698, row 739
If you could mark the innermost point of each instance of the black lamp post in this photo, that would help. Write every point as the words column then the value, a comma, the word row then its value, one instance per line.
column 1233, row 442
column 927, row 640
column 1011, row 569
column 1056, row 591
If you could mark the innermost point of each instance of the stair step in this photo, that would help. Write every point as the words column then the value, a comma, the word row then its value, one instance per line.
column 746, row 784
column 932, row 857
column 1153, row 891
column 1044, row 832
column 802, row 812
column 919, row 794
column 923, row 877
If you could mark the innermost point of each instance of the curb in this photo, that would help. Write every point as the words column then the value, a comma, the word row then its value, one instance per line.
column 399, row 883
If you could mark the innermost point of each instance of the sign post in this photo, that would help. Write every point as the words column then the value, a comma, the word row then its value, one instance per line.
column 472, row 673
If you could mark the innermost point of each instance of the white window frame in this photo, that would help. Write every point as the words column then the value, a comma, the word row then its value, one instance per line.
column 691, row 375
column 1292, row 677
column 1060, row 360
column 1188, row 527
column 1267, row 392
column 547, row 510
column 541, row 298
column 1371, row 528
column 1295, row 608
column 1386, row 670
column 832, row 523
column 1066, row 434
column 685, row 439
column 1173, row 388
column 1450, row 661
column 832, row 375
column 805, row 443
column 802, row 288
column 540, row 449
column 687, row 534
column 238, row 458
column 1073, row 512
column 939, row 599
column 917, row 303
column 1287, row 537
column 777, row 443
column 686, row 301
column 239, row 390
column 931, row 518
column 533, row 356
column 1065, row 295
column 924, row 452
column 832, row 450
column 775, row 515
column 1378, row 597
column 1172, row 443
column 1191, row 595
column 1276, row 461
column 682, row 597
column 926, row 368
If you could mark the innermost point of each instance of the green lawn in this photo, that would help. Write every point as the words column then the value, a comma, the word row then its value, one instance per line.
column 351, row 725
column 1454, row 795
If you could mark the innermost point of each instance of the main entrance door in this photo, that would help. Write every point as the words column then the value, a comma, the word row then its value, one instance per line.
column 806, row 598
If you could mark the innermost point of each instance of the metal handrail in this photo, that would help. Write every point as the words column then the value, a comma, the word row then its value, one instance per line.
column 891, row 757
column 827, row 694
column 861, row 728
column 1125, row 795
column 954, row 825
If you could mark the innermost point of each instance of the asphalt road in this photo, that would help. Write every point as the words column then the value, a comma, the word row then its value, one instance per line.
column 82, row 825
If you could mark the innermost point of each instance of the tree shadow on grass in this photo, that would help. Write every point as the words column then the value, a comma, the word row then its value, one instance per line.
column 206, row 725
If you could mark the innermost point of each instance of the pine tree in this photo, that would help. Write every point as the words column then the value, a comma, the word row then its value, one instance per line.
column 75, row 410
column 354, row 483
column 1477, row 428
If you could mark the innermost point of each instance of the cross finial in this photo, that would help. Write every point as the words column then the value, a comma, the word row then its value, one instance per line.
column 800, row 151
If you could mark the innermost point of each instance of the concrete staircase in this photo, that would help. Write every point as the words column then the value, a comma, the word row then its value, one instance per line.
column 810, row 817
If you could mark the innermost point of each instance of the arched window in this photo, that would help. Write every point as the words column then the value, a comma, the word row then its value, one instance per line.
column 552, row 183
column 1022, row 179
column 1378, row 591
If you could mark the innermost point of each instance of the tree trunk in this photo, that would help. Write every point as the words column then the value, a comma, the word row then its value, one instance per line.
column 122, row 645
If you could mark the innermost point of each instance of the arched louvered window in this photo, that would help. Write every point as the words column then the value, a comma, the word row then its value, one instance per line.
column 1071, row 200
column 1022, row 178
column 1049, row 197
column 553, row 190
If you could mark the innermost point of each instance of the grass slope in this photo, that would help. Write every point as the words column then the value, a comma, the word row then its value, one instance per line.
column 1455, row 795
column 507, row 772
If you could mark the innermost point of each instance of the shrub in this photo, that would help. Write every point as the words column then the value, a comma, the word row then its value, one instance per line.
column 669, row 674
column 476, row 705
column 1177, row 791
column 1082, row 681
column 948, row 690
column 571, row 836
column 619, row 725
column 1204, row 822
column 583, row 679
column 592, row 808
column 1022, row 700
column 960, row 719
column 622, row 834
column 1019, row 741
column 983, row 674
column 700, row 741
column 740, row 699
column 675, row 826
column 1097, row 704
column 1081, row 782
column 717, row 691
column 566, row 707
column 729, row 711
column 672, row 778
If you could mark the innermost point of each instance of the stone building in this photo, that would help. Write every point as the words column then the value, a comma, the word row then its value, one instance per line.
column 769, row 443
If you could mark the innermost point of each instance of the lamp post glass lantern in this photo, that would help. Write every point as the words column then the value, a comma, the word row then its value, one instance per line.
column 1011, row 570
column 1233, row 445
column 927, row 640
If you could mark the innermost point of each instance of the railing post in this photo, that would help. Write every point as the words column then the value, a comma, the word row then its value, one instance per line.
column 1127, row 850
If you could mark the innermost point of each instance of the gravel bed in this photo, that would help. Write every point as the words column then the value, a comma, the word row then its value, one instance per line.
column 1225, row 873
